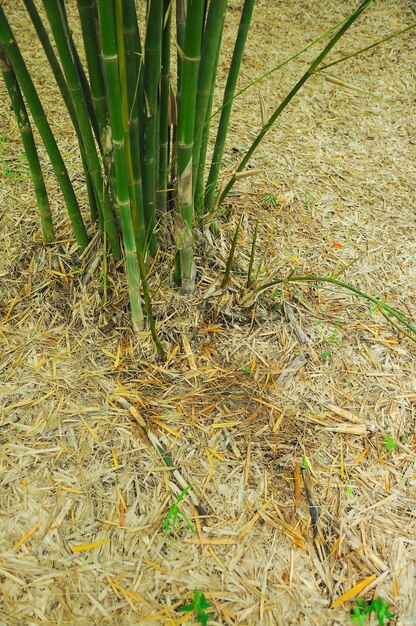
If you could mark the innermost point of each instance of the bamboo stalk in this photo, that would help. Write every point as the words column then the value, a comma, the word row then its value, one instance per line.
column 39, row 117
column 230, row 87
column 115, row 106
column 131, row 82
column 128, row 44
column 186, row 126
column 180, row 39
column 135, row 65
column 148, row 305
column 152, row 59
column 83, row 80
column 309, row 72
column 175, row 99
column 206, row 82
column 164, row 122
column 87, row 10
column 134, row 71
column 58, row 26
column 199, row 195
column 63, row 88
column 29, row 145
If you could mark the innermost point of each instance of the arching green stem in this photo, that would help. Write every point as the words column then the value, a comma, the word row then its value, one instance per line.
column 309, row 72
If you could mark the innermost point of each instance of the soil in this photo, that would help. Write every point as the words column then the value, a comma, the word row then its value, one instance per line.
column 292, row 415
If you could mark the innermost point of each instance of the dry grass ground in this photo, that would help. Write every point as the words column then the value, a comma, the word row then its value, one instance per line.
column 248, row 393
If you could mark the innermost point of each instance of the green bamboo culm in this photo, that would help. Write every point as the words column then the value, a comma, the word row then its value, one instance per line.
column 309, row 72
column 185, row 145
column 206, row 82
column 25, row 128
column 148, row 305
column 152, row 70
column 125, row 14
column 88, row 14
column 252, row 254
column 229, row 91
column 115, row 105
column 175, row 100
column 38, row 114
column 199, row 194
column 63, row 88
column 83, row 80
column 164, row 119
column 131, row 75
column 57, row 23
column 231, row 255
column 87, row 10
column 180, row 39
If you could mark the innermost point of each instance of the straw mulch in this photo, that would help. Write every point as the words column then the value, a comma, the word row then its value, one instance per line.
column 278, row 413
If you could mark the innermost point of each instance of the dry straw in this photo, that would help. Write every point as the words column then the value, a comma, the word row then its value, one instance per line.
column 283, row 416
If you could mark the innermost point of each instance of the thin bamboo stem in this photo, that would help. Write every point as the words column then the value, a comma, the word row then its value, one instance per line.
column 164, row 122
column 309, row 72
column 63, row 88
column 328, row 279
column 230, row 87
column 199, row 194
column 148, row 305
column 252, row 254
column 87, row 10
column 186, row 126
column 39, row 117
column 65, row 50
column 281, row 64
column 230, row 259
column 206, row 82
column 126, row 29
column 83, row 80
column 396, row 33
column 29, row 145
column 152, row 65
column 115, row 105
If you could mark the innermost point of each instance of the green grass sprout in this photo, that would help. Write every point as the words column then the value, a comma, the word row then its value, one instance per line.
column 199, row 605
column 362, row 609
column 269, row 199
column 389, row 443
column 172, row 519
